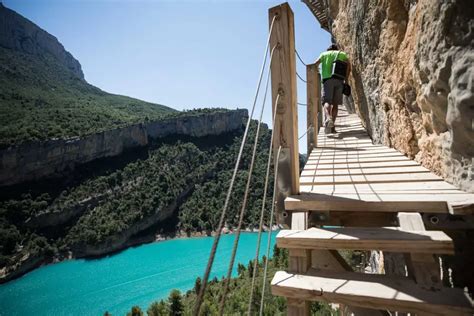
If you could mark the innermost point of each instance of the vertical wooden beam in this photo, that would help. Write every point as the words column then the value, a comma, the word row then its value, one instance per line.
column 283, row 73
column 299, row 261
column 313, row 93
column 422, row 267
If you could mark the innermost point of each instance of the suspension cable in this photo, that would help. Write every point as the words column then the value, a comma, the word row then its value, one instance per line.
column 247, row 188
column 302, row 104
column 202, row 291
column 270, row 230
column 309, row 128
column 300, row 77
column 299, row 57
column 262, row 211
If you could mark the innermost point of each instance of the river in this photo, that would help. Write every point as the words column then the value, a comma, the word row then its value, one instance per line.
column 135, row 276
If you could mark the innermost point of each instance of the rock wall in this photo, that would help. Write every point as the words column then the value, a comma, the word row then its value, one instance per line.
column 36, row 160
column 413, row 77
column 21, row 34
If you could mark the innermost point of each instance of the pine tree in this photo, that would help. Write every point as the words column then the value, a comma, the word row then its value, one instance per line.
column 197, row 285
column 136, row 311
column 158, row 309
column 175, row 303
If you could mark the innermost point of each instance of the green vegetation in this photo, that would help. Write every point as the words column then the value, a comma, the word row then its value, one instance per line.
column 41, row 99
column 111, row 202
column 239, row 294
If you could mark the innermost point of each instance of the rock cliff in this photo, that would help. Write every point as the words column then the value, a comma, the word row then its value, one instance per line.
column 413, row 77
column 19, row 33
column 37, row 160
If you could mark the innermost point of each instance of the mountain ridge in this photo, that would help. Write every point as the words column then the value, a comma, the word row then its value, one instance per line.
column 43, row 93
column 21, row 34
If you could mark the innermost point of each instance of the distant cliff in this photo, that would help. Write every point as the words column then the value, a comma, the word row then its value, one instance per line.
column 413, row 68
column 20, row 34
column 36, row 160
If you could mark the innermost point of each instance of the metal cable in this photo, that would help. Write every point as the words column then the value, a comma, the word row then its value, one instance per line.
column 300, row 77
column 270, row 230
column 246, row 192
column 262, row 211
column 302, row 104
column 202, row 291
column 310, row 127
column 299, row 57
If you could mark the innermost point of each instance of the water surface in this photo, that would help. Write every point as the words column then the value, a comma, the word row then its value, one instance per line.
column 136, row 276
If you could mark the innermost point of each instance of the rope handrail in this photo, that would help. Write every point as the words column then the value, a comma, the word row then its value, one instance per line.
column 299, row 57
column 262, row 211
column 229, row 191
column 302, row 104
column 270, row 230
column 247, row 188
column 309, row 128
column 301, row 78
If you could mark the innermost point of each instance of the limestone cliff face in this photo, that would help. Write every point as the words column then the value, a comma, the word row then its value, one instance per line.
column 19, row 33
column 413, row 77
column 37, row 160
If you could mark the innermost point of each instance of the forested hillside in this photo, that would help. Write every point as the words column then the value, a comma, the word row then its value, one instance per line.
column 178, row 184
column 43, row 93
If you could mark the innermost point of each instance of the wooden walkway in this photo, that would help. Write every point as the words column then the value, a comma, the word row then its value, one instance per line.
column 375, row 198
column 347, row 167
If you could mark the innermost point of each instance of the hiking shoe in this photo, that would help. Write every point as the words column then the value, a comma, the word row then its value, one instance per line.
column 330, row 123
column 333, row 130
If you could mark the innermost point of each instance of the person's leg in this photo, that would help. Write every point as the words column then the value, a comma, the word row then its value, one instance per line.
column 334, row 110
column 327, row 111
column 327, row 100
column 337, row 98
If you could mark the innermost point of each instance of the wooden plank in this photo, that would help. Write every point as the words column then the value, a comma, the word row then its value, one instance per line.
column 371, row 291
column 366, row 165
column 371, row 178
column 313, row 92
column 283, row 75
column 360, row 155
column 359, row 161
column 387, row 239
column 423, row 267
column 323, row 202
column 361, row 171
column 376, row 187
column 456, row 204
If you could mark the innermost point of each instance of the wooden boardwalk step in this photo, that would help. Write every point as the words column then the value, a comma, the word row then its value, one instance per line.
column 371, row 291
column 424, row 197
column 347, row 172
column 384, row 238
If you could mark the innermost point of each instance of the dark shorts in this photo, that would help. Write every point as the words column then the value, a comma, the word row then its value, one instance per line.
column 332, row 91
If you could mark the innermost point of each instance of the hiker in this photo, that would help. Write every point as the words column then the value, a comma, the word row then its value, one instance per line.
column 335, row 69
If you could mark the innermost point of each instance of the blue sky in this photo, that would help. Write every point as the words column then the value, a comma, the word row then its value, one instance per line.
column 183, row 54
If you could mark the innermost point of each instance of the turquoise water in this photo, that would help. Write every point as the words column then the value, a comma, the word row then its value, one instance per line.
column 136, row 276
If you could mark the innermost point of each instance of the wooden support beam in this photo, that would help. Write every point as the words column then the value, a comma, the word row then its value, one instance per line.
column 424, row 268
column 299, row 262
column 313, row 97
column 283, row 73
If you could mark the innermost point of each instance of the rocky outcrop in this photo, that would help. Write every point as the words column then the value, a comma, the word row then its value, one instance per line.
column 37, row 160
column 413, row 77
column 19, row 33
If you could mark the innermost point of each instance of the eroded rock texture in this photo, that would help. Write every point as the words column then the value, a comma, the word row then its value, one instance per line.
column 413, row 77
column 36, row 160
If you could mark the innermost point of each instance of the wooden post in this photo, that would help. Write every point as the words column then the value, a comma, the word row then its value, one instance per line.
column 313, row 97
column 283, row 72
